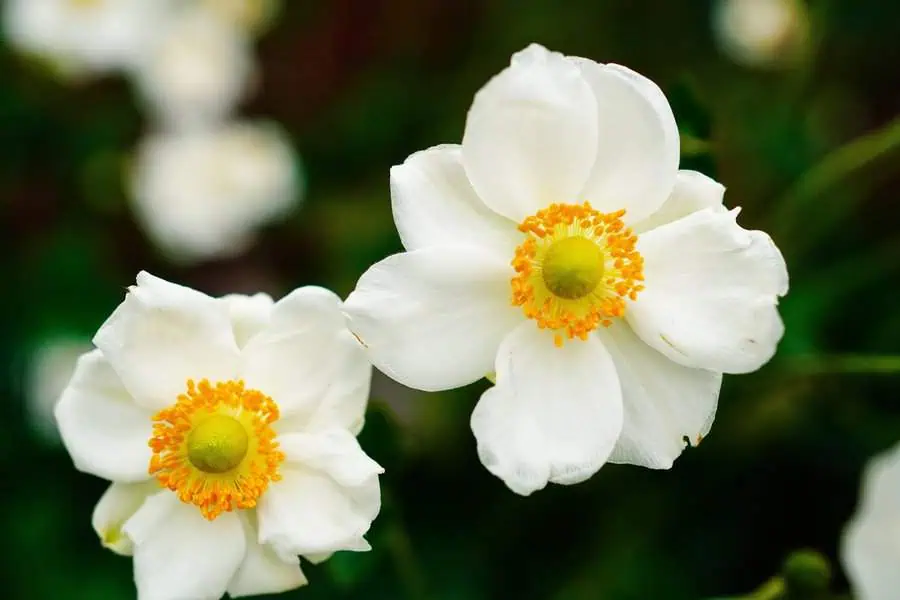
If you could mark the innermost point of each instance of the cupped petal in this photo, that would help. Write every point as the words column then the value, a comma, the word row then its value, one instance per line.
column 433, row 318
column 531, row 134
column 638, row 145
column 308, row 362
column 308, row 512
column 870, row 547
column 164, row 334
column 178, row 554
column 117, row 504
column 334, row 452
column 693, row 191
column 263, row 571
column 249, row 315
column 665, row 403
column 103, row 429
column 434, row 204
column 711, row 293
column 554, row 415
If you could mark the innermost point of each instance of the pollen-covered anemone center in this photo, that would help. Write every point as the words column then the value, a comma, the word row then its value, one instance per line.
column 215, row 447
column 575, row 269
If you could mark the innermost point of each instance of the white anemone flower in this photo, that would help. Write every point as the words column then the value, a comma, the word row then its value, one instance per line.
column 203, row 194
column 84, row 37
column 197, row 70
column 252, row 16
column 227, row 426
column 560, row 247
column 871, row 545
column 762, row 33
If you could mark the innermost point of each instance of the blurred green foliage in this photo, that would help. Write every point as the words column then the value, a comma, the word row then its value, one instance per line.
column 811, row 154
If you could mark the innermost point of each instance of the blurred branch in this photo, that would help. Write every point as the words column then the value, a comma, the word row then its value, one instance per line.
column 793, row 210
column 864, row 364
column 403, row 555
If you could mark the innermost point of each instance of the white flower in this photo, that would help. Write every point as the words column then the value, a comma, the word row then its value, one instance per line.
column 197, row 71
column 246, row 411
column 608, row 324
column 871, row 545
column 85, row 36
column 49, row 369
column 762, row 33
column 203, row 194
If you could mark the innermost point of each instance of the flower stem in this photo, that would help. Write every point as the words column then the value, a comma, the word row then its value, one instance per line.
column 403, row 555
column 863, row 364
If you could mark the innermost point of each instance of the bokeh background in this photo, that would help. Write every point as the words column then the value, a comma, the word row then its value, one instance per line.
column 805, row 141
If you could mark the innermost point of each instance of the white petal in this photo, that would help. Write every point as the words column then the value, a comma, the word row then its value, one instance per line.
column 870, row 548
column 308, row 512
column 335, row 453
column 102, row 428
column 554, row 415
column 638, row 143
column 263, row 571
column 664, row 402
column 531, row 134
column 712, row 293
column 249, row 315
column 119, row 502
column 178, row 554
column 164, row 334
column 433, row 318
column 308, row 361
column 434, row 205
column 693, row 191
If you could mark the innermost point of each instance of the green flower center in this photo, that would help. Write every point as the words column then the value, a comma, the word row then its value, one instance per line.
column 217, row 444
column 573, row 267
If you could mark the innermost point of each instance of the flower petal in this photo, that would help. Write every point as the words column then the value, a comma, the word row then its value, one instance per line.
column 434, row 204
column 433, row 318
column 263, row 571
column 309, row 363
column 638, row 149
column 531, row 134
column 554, row 415
column 334, row 452
column 308, row 512
column 119, row 502
column 105, row 432
column 693, row 191
column 664, row 402
column 179, row 555
column 871, row 542
column 712, row 293
column 249, row 315
column 164, row 334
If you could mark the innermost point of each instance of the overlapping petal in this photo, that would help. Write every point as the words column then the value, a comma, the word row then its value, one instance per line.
column 637, row 142
column 249, row 315
column 531, row 134
column 263, row 571
column 164, row 334
column 693, row 191
column 433, row 318
column 665, row 403
column 554, row 415
column 712, row 293
column 103, row 429
column 434, row 204
column 118, row 504
column 179, row 555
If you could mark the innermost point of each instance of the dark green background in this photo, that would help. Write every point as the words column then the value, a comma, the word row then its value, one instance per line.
column 362, row 84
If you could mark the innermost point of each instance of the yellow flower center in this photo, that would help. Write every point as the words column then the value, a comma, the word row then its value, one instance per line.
column 575, row 269
column 215, row 447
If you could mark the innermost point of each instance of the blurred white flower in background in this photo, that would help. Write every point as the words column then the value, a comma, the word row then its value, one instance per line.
column 202, row 194
column 85, row 37
column 199, row 68
column 48, row 370
column 762, row 33
column 252, row 16
column 871, row 545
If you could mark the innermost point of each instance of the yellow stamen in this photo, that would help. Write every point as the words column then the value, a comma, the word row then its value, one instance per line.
column 215, row 447
column 575, row 269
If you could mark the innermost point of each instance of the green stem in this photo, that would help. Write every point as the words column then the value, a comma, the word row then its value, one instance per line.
column 801, row 200
column 404, row 557
column 771, row 590
column 863, row 364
